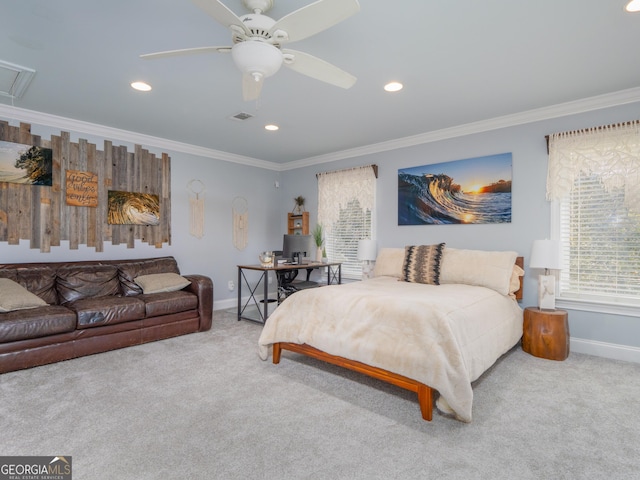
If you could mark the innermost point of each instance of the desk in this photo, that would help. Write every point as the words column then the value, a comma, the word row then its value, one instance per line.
column 334, row 276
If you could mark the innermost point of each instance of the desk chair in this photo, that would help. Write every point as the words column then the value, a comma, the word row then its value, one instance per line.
column 287, row 284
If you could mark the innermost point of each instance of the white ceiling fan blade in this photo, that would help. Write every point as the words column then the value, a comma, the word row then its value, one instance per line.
column 251, row 87
column 316, row 68
column 221, row 14
column 313, row 18
column 186, row 51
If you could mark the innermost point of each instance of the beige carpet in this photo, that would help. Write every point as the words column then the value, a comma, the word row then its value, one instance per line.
column 203, row 406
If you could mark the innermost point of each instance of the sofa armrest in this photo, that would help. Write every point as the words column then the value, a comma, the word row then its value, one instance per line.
column 202, row 286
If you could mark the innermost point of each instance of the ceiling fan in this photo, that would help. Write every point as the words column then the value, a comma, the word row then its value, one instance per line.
column 257, row 41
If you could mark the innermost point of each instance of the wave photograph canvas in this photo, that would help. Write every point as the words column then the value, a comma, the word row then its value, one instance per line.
column 25, row 164
column 474, row 190
column 130, row 208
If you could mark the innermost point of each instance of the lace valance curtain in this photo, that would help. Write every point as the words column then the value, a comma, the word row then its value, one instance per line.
column 612, row 153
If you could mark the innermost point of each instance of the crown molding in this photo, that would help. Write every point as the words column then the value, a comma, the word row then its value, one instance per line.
column 598, row 102
column 87, row 128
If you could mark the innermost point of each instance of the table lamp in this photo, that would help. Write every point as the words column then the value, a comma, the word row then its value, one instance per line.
column 545, row 254
column 367, row 252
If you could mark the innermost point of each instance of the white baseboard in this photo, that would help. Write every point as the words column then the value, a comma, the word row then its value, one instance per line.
column 608, row 350
column 224, row 304
column 233, row 302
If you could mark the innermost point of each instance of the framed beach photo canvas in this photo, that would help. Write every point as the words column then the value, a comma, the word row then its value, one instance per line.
column 25, row 164
column 475, row 190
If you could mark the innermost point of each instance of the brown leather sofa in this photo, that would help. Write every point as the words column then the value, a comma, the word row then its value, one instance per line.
column 95, row 306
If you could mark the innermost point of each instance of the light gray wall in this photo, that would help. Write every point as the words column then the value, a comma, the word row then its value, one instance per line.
column 215, row 256
column 530, row 210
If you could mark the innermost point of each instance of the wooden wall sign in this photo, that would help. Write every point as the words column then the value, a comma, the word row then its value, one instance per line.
column 82, row 188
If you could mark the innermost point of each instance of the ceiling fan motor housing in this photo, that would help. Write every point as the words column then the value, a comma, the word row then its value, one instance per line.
column 259, row 26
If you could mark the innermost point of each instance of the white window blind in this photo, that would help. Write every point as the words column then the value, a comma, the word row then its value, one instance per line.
column 601, row 244
column 594, row 177
column 346, row 201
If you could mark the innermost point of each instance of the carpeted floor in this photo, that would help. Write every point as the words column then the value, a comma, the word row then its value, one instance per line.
column 203, row 406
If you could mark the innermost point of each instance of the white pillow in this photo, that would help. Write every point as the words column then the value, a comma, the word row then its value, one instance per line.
column 514, row 283
column 389, row 262
column 161, row 282
column 14, row 296
column 478, row 267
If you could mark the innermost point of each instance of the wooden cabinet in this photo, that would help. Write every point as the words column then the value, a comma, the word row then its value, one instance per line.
column 298, row 224
column 546, row 333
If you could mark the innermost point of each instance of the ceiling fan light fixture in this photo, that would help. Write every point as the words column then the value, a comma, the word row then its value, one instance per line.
column 633, row 6
column 258, row 59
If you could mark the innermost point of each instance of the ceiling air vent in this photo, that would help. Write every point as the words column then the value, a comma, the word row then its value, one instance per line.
column 240, row 117
column 14, row 79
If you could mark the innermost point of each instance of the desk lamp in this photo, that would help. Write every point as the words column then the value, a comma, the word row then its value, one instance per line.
column 545, row 254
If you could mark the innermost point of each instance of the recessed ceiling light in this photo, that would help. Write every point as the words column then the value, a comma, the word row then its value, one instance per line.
column 271, row 127
column 633, row 6
column 393, row 87
column 143, row 87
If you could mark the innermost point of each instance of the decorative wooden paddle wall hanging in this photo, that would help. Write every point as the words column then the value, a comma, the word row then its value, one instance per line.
column 75, row 207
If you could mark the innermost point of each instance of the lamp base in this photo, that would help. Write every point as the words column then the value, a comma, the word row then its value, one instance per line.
column 547, row 292
column 367, row 269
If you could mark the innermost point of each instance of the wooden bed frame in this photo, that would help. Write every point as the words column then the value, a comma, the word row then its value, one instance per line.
column 425, row 392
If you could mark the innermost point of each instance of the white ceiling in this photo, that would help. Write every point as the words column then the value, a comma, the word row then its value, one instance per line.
column 461, row 62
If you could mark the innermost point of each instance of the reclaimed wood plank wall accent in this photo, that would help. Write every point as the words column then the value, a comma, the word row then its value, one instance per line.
column 41, row 215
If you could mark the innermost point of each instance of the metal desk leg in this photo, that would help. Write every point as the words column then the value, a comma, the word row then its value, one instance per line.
column 332, row 274
column 252, row 297
column 265, row 298
column 239, row 293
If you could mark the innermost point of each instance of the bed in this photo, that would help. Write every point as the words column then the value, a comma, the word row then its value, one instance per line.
column 432, row 319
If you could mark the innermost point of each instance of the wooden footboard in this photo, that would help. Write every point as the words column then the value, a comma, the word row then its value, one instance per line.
column 425, row 393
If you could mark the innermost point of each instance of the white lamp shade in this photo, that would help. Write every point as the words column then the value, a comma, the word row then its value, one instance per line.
column 546, row 254
column 255, row 57
column 367, row 250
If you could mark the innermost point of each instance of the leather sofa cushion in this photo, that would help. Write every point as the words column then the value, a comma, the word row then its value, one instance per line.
column 9, row 273
column 169, row 302
column 95, row 312
column 14, row 296
column 35, row 323
column 76, row 282
column 40, row 281
column 128, row 271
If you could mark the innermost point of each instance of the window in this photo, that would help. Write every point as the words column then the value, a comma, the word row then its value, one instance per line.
column 594, row 179
column 346, row 200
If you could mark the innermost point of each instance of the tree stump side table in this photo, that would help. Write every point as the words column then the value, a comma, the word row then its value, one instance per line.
column 546, row 333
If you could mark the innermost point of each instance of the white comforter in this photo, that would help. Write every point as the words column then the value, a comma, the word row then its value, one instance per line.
column 444, row 336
